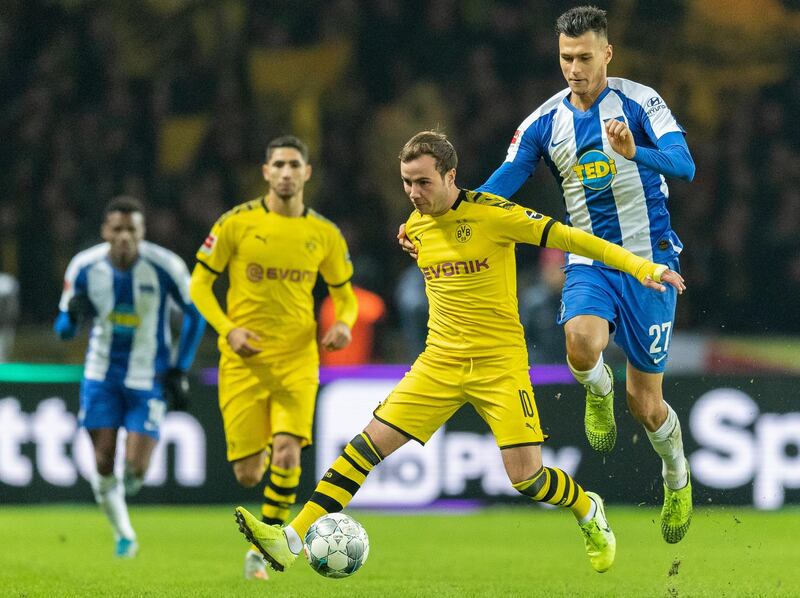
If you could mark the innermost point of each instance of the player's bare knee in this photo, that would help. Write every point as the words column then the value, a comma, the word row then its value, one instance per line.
column 247, row 476
column 583, row 350
column 286, row 451
column 105, row 463
column 648, row 413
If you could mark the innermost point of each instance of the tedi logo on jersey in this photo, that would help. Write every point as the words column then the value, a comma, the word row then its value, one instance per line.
column 124, row 319
column 595, row 170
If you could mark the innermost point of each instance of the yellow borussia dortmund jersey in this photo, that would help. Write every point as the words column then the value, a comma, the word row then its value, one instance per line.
column 467, row 258
column 272, row 263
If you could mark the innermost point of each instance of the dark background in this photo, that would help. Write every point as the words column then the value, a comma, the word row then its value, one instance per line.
column 175, row 101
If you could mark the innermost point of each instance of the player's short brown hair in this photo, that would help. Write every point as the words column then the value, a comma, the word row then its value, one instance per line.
column 431, row 143
column 286, row 141
column 577, row 21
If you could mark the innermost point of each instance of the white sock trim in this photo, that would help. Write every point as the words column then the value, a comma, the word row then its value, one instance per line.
column 595, row 379
column 667, row 441
column 592, row 510
column 295, row 542
column 110, row 495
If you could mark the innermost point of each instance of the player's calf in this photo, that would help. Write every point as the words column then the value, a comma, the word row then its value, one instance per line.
column 556, row 487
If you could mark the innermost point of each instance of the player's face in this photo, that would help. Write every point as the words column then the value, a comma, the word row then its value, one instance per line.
column 427, row 189
column 584, row 63
column 286, row 172
column 123, row 232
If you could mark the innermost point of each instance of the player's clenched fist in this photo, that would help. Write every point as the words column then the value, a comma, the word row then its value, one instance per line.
column 241, row 341
column 404, row 242
column 620, row 138
column 337, row 337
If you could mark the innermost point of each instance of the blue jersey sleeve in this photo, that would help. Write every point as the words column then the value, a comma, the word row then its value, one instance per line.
column 506, row 180
column 672, row 158
column 191, row 334
column 523, row 155
column 64, row 327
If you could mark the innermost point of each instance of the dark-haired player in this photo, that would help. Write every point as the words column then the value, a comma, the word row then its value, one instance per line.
column 273, row 248
column 123, row 288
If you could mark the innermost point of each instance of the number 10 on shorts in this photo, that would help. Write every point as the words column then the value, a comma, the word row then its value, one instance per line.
column 527, row 403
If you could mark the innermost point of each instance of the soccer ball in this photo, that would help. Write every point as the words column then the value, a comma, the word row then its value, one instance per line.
column 336, row 545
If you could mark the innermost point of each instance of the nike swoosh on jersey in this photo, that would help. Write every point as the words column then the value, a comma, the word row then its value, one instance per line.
column 555, row 143
column 660, row 359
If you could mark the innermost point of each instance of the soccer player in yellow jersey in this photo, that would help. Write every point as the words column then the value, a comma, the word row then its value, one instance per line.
column 475, row 351
column 273, row 248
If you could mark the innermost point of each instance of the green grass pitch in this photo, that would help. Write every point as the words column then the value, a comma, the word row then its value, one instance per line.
column 197, row 551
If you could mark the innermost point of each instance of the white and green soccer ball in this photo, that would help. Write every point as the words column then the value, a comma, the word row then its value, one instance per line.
column 336, row 545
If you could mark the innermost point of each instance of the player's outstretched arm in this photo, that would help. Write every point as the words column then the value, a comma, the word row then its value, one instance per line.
column 568, row 238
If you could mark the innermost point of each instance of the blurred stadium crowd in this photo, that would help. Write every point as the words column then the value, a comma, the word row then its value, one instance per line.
column 174, row 102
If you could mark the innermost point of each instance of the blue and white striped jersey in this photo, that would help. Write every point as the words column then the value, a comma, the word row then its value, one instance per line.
column 130, row 337
column 623, row 201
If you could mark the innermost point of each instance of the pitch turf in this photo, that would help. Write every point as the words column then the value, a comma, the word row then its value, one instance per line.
column 186, row 551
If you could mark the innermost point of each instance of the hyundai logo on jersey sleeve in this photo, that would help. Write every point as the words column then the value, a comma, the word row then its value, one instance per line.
column 595, row 170
column 654, row 101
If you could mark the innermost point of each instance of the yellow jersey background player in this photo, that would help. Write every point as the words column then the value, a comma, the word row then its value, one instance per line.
column 475, row 351
column 273, row 249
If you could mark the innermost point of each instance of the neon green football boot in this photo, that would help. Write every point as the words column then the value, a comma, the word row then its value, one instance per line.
column 600, row 542
column 676, row 514
column 269, row 539
column 598, row 420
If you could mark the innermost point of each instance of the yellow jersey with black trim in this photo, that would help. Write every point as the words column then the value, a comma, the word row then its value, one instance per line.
column 273, row 262
column 467, row 258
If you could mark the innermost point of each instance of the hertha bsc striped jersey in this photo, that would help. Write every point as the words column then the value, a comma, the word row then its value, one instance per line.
column 130, row 334
column 622, row 201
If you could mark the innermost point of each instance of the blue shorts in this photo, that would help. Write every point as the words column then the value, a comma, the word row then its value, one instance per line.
column 641, row 318
column 109, row 404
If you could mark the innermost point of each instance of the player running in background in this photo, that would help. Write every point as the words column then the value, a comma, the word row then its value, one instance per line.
column 610, row 142
column 125, row 286
column 273, row 247
column 475, row 351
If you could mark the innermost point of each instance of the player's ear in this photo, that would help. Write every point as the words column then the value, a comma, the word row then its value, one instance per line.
column 609, row 53
column 450, row 177
column 265, row 171
column 308, row 172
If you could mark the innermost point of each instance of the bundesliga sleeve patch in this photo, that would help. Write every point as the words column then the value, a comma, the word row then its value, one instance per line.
column 208, row 245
